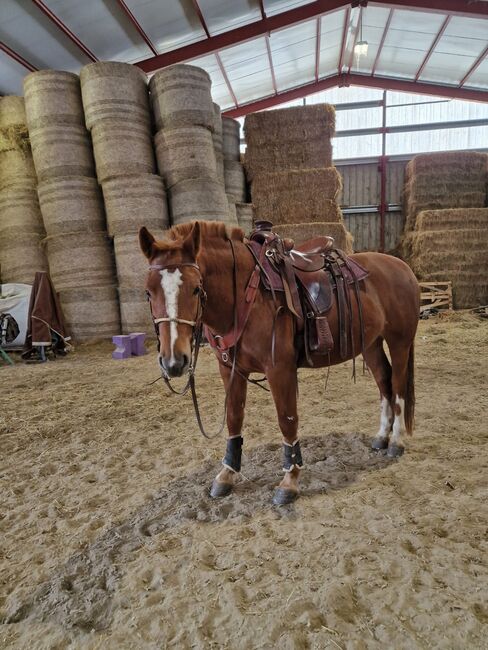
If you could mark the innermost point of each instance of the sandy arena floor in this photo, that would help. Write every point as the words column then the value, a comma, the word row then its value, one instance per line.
column 109, row 540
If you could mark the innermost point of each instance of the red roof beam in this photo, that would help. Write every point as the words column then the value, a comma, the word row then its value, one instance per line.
column 268, row 49
column 344, row 41
column 351, row 58
column 474, row 67
column 66, row 30
column 137, row 25
column 435, row 42
column 16, row 57
column 382, row 42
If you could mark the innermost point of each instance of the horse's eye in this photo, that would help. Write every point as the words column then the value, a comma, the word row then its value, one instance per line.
column 196, row 290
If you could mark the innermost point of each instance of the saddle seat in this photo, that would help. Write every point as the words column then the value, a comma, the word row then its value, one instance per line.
column 316, row 246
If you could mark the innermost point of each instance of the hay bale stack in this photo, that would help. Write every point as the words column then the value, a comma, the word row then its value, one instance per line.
column 452, row 245
column 135, row 314
column 91, row 313
column 61, row 150
column 180, row 96
column 231, row 134
column 53, row 97
column 235, row 180
column 300, row 232
column 198, row 198
column 114, row 91
column 185, row 152
column 21, row 227
column 245, row 216
column 218, row 143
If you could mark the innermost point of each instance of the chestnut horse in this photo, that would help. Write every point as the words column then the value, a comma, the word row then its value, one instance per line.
column 207, row 260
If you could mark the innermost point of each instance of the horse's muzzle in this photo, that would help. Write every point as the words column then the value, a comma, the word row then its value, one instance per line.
column 175, row 367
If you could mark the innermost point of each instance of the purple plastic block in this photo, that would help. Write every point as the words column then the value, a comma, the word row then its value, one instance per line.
column 123, row 346
column 137, row 343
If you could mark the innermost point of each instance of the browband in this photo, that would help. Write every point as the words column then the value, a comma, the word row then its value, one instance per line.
column 162, row 267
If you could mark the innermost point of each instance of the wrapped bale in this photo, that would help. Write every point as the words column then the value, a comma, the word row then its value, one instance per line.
column 231, row 138
column 245, row 216
column 301, row 232
column 135, row 201
column 135, row 314
column 232, row 209
column 120, row 151
column 80, row 259
column 21, row 256
column 52, row 97
column 282, row 156
column 114, row 91
column 198, row 199
column 91, row 313
column 217, row 138
column 19, row 211
column 235, row 180
column 180, row 96
column 185, row 152
column 297, row 196
column 297, row 124
column 71, row 204
column 130, row 261
column 62, row 150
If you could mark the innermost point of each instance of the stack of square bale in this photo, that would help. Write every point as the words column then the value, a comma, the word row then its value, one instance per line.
column 116, row 105
column 78, row 249
column 234, row 175
column 289, row 164
column 185, row 122
column 446, row 228
column 21, row 227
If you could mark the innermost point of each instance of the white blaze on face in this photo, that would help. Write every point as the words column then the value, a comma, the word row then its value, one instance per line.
column 399, row 421
column 171, row 283
column 385, row 418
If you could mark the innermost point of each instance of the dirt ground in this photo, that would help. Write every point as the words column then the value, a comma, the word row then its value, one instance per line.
column 108, row 538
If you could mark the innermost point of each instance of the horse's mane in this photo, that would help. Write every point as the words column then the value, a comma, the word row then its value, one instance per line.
column 208, row 230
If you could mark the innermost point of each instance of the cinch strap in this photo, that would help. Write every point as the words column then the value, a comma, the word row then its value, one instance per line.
column 292, row 456
column 233, row 453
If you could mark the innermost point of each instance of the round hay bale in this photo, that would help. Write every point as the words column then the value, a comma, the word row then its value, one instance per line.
column 112, row 90
column 122, row 151
column 63, row 150
column 91, row 313
column 135, row 314
column 19, row 211
column 71, row 204
column 12, row 111
column 80, row 260
column 17, row 168
column 219, row 161
column 232, row 208
column 185, row 152
column 131, row 263
column 135, row 201
column 301, row 232
column 217, row 135
column 198, row 198
column 231, row 134
column 180, row 96
column 21, row 255
column 245, row 216
column 235, row 180
column 52, row 97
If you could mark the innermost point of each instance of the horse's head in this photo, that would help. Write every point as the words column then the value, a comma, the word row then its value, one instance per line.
column 176, row 296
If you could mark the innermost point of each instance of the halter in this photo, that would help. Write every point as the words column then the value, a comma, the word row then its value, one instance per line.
column 201, row 293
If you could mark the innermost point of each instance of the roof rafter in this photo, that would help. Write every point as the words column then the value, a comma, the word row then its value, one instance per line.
column 345, row 30
column 268, row 49
column 434, row 44
column 138, row 26
column 382, row 42
column 17, row 57
column 474, row 67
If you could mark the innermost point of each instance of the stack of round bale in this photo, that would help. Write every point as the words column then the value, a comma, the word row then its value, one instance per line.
column 21, row 227
column 78, row 248
column 116, row 105
column 234, row 175
column 187, row 141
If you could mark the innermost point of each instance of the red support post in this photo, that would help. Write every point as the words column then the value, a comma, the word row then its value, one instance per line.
column 382, row 169
column 317, row 49
column 474, row 67
column 382, row 42
column 137, row 25
column 66, row 30
column 16, row 57
column 433, row 46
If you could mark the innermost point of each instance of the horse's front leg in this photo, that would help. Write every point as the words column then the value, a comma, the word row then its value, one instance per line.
column 236, row 401
column 283, row 384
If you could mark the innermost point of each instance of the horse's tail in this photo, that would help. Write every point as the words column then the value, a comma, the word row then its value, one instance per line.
column 409, row 407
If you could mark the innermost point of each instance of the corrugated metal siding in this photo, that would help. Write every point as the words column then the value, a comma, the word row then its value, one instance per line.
column 395, row 173
column 394, row 222
column 361, row 185
column 365, row 229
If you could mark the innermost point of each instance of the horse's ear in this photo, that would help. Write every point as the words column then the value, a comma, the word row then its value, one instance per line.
column 191, row 244
column 146, row 241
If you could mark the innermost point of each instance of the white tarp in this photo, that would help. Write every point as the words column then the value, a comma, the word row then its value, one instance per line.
column 14, row 299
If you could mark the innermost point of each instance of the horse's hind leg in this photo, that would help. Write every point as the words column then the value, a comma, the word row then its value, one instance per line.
column 403, row 398
column 380, row 367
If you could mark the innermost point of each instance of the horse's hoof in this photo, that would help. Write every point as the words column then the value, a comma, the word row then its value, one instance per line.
column 283, row 496
column 220, row 489
column 395, row 451
column 379, row 443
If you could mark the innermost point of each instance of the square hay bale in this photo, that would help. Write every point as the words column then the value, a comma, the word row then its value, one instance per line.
column 301, row 232
column 448, row 164
column 284, row 156
column 452, row 219
column 293, row 124
column 298, row 195
column 413, row 204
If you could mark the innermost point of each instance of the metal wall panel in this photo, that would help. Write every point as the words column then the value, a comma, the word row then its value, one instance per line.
column 361, row 184
column 365, row 229
column 394, row 222
column 395, row 174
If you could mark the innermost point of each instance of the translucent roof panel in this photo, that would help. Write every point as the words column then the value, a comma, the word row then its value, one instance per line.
column 374, row 22
column 92, row 20
column 248, row 69
column 293, row 51
column 11, row 75
column 331, row 30
column 278, row 6
column 222, row 15
column 168, row 23
column 461, row 44
column 409, row 38
column 31, row 34
column 479, row 78
column 220, row 91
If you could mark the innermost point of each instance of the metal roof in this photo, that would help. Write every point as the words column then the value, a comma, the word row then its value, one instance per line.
column 259, row 53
